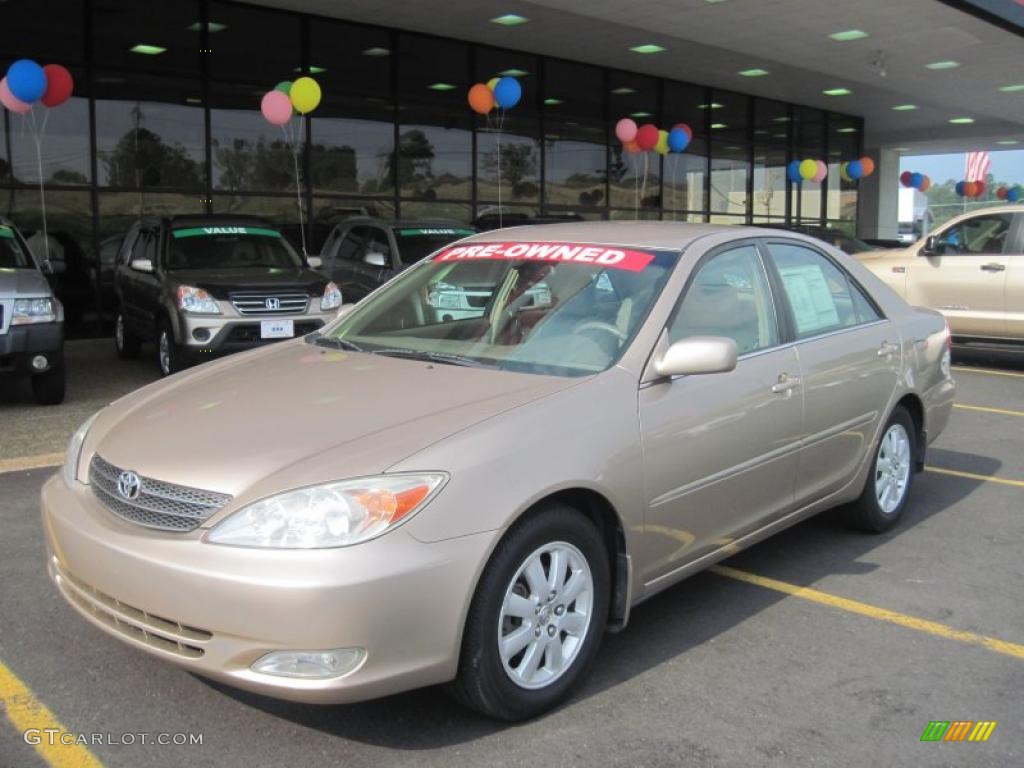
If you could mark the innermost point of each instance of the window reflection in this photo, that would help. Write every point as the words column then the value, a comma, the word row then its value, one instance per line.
column 434, row 154
column 576, row 158
column 353, row 153
column 729, row 172
column 516, row 144
column 685, row 176
column 65, row 153
column 253, row 45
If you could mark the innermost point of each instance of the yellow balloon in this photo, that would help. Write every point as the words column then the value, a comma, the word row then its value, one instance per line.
column 305, row 95
column 808, row 168
column 662, row 146
column 493, row 82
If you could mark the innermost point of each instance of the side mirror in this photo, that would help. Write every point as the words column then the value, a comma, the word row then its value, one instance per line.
column 315, row 262
column 375, row 259
column 142, row 265
column 698, row 354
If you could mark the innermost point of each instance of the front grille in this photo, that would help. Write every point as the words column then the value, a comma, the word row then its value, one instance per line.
column 160, row 505
column 251, row 333
column 270, row 303
column 155, row 631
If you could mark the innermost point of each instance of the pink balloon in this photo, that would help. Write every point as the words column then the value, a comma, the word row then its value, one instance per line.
column 8, row 100
column 625, row 130
column 822, row 172
column 276, row 107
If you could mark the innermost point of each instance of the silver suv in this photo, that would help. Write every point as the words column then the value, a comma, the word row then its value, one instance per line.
column 31, row 319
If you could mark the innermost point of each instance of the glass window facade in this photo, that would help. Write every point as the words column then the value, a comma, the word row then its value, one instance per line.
column 180, row 130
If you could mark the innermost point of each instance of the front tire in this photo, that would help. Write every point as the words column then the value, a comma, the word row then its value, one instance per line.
column 537, row 618
column 887, row 489
column 126, row 344
column 168, row 353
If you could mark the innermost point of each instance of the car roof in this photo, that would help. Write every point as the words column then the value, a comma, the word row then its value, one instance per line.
column 425, row 223
column 672, row 235
column 212, row 219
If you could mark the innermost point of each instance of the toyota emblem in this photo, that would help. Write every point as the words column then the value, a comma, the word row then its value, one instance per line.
column 273, row 303
column 129, row 485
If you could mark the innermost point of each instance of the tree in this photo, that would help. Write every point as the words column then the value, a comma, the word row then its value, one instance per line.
column 141, row 158
column 67, row 176
column 518, row 161
column 415, row 162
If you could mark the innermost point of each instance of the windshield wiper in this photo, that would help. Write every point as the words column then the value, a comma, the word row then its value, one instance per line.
column 327, row 341
column 434, row 357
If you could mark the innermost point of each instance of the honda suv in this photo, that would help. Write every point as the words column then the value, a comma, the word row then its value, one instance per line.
column 203, row 286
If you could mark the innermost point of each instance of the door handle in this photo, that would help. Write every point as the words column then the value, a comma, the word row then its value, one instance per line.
column 887, row 349
column 993, row 267
column 785, row 384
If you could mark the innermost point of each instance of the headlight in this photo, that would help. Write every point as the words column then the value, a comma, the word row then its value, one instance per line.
column 196, row 301
column 332, row 515
column 74, row 451
column 39, row 310
column 331, row 298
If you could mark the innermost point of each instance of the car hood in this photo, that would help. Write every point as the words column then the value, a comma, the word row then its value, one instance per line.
column 220, row 282
column 23, row 282
column 297, row 414
column 892, row 253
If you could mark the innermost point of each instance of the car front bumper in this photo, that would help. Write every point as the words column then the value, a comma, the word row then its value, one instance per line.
column 225, row 334
column 216, row 609
column 23, row 342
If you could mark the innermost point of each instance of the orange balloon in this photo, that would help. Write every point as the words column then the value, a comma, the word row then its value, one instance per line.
column 868, row 165
column 970, row 189
column 631, row 147
column 925, row 184
column 481, row 99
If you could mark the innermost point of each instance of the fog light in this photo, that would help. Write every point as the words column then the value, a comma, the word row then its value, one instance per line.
column 309, row 665
column 201, row 334
column 39, row 362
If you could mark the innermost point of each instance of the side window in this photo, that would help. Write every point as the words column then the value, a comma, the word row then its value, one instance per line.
column 730, row 297
column 987, row 235
column 351, row 248
column 821, row 296
column 131, row 242
column 377, row 242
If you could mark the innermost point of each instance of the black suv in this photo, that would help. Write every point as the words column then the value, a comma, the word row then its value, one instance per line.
column 201, row 286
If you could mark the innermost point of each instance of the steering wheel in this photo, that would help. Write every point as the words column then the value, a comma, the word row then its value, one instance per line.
column 598, row 325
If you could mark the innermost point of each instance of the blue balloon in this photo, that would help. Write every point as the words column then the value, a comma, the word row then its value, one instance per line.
column 678, row 139
column 916, row 180
column 1013, row 195
column 508, row 92
column 26, row 80
column 793, row 172
column 855, row 169
column 959, row 188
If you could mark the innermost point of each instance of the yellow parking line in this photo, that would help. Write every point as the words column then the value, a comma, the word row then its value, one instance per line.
column 31, row 462
column 874, row 612
column 26, row 712
column 987, row 371
column 973, row 476
column 986, row 409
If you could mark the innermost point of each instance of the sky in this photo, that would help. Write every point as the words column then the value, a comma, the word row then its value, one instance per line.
column 1007, row 165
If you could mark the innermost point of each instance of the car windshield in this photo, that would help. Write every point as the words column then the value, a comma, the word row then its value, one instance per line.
column 230, row 247
column 564, row 309
column 12, row 255
column 416, row 243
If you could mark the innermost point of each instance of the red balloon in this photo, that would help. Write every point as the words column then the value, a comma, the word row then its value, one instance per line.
column 1001, row 193
column 905, row 178
column 59, row 85
column 647, row 136
column 979, row 188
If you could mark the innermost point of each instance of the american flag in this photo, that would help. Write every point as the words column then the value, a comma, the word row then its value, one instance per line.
column 978, row 164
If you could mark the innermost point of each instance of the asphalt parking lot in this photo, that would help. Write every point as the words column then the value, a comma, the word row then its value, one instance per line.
column 819, row 647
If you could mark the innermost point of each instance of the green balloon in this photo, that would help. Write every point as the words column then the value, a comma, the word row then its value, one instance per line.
column 284, row 87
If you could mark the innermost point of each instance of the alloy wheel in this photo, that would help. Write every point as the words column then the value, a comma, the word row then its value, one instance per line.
column 892, row 469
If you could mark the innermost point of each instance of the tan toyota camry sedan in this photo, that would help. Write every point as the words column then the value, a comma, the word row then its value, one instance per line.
column 409, row 498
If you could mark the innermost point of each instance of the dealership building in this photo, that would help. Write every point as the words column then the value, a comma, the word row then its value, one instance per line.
column 166, row 118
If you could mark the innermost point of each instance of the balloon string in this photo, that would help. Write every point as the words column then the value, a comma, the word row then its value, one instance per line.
column 643, row 186
column 675, row 165
column 37, row 137
column 497, row 136
column 636, row 186
column 294, row 147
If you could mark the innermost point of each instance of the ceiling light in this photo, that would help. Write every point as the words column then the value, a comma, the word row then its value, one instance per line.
column 760, row 132
column 1011, row 88
column 779, row 135
column 752, row 72
column 623, row 91
column 961, row 120
column 901, row 149
column 510, row 20
column 905, row 107
column 712, row 105
column 846, row 130
column 647, row 48
column 313, row 69
column 719, row 126
column 211, row 26
column 849, row 34
column 837, row 91
column 943, row 65
column 782, row 119
column 376, row 51
column 148, row 50
column 514, row 73
column 193, row 100
column 1007, row 142
column 441, row 87
column 640, row 114
column 714, row 2
column 551, row 101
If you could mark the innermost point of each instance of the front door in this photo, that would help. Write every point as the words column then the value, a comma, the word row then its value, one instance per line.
column 1015, row 282
column 720, row 451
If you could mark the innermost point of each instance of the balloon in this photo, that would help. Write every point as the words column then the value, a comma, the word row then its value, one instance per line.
column 979, row 188
column 808, row 169
column 868, row 166
column 686, row 128
column 926, row 184
column 1001, row 193
column 855, row 170
column 647, row 136
column 26, row 80
column 492, row 83
column 793, row 172
column 508, row 92
column 59, row 85
column 905, row 179
column 821, row 173
column 845, row 176
column 305, row 94
column 8, row 100
column 916, row 179
column 276, row 107
column 1013, row 195
column 285, row 87
column 481, row 100
column 678, row 139
column 959, row 188
column 625, row 130
column 662, row 146
column 631, row 147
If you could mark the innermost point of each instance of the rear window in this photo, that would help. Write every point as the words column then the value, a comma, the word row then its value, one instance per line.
column 416, row 243
column 230, row 247
column 12, row 255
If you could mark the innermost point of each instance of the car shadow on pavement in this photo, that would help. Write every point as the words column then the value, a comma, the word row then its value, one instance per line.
column 662, row 629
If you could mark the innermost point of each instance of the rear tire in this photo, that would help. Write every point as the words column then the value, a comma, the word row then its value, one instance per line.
column 48, row 388
column 168, row 354
column 127, row 345
column 537, row 618
column 891, row 478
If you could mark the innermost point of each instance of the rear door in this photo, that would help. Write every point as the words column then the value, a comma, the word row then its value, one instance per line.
column 1015, row 281
column 966, row 279
column 849, row 356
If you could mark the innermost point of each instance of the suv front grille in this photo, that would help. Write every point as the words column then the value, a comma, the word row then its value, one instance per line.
column 270, row 303
column 161, row 505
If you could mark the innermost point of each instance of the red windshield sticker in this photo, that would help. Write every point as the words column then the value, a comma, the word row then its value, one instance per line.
column 616, row 258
